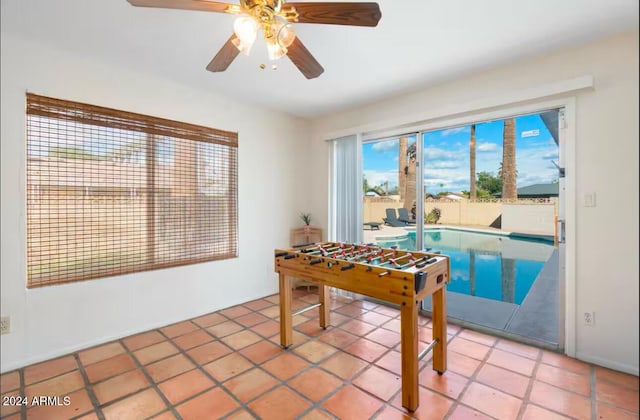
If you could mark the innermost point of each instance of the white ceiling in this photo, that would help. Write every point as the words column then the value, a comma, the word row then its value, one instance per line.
column 417, row 43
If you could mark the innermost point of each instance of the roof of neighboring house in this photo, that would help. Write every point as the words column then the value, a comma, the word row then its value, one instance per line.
column 537, row 190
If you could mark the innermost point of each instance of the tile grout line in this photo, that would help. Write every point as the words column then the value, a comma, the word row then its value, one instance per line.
column 592, row 383
column 526, row 398
column 88, row 388
column 22, row 388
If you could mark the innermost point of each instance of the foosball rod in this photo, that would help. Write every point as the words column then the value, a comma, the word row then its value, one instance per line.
column 305, row 309
column 428, row 348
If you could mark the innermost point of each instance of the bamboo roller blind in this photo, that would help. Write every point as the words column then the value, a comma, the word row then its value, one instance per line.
column 112, row 192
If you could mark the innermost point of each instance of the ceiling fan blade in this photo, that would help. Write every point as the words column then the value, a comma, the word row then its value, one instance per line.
column 202, row 5
column 225, row 56
column 355, row 14
column 304, row 61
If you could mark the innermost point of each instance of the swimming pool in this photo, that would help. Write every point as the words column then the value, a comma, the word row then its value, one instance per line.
column 493, row 266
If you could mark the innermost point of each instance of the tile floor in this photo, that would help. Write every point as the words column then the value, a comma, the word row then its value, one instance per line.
column 229, row 365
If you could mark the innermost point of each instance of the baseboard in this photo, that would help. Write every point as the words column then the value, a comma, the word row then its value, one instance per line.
column 609, row 364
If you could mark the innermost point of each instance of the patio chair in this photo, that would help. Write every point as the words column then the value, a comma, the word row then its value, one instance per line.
column 403, row 216
column 392, row 218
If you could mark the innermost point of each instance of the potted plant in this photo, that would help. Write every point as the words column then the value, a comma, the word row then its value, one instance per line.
column 306, row 218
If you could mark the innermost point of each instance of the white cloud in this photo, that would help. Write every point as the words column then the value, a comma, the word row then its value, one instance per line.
column 380, row 177
column 487, row 147
column 455, row 130
column 385, row 146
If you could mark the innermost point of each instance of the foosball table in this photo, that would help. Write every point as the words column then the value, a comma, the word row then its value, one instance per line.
column 403, row 278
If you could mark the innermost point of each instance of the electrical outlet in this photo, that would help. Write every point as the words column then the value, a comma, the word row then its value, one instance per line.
column 589, row 319
column 5, row 325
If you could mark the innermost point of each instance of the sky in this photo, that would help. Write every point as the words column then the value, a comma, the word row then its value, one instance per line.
column 446, row 155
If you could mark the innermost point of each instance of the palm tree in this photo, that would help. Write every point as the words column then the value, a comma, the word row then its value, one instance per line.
column 509, row 190
column 472, row 163
column 410, row 180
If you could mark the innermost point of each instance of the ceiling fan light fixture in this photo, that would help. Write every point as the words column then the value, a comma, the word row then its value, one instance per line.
column 285, row 34
column 275, row 50
column 246, row 29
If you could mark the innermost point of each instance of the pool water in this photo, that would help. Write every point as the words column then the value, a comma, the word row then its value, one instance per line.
column 491, row 266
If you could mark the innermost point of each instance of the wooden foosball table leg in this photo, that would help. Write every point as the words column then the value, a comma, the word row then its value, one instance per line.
column 439, row 319
column 286, row 329
column 323, row 296
column 409, row 352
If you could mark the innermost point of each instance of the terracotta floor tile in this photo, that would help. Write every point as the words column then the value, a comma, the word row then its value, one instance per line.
column 317, row 414
column 378, row 382
column 224, row 329
column 241, row 415
column 15, row 416
column 338, row 338
column 261, row 351
column 90, row 416
column 565, row 362
column 344, row 365
column 46, row 370
column 138, row 341
column 192, row 339
column 385, row 337
column 366, row 350
column 119, row 386
column 351, row 403
column 168, row 368
column 185, row 386
column 491, row 401
column 298, row 338
column 137, row 406
column 167, row 415
column 504, row 380
column 374, row 318
column 357, row 327
column 468, row 348
column 315, row 383
column 10, row 381
column 518, row 348
column 109, row 367
column 390, row 413
column 178, row 329
column 271, row 312
column 619, row 378
column 96, row 354
column 533, row 412
column 250, row 384
column 79, row 403
column 7, row 409
column 279, row 404
column 450, row 383
column 606, row 412
column 235, row 311
column 59, row 385
column 564, row 402
column 618, row 395
column 241, row 339
column 386, row 310
column 393, row 325
column 209, row 320
column 311, row 328
column 273, row 298
column 462, row 412
column 266, row 329
column 155, row 352
column 391, row 361
column 251, row 319
column 432, row 405
column 352, row 311
column 209, row 352
column 478, row 337
column 258, row 304
column 285, row 366
column 336, row 319
column 564, row 379
column 512, row 362
column 314, row 351
column 228, row 366
column 212, row 404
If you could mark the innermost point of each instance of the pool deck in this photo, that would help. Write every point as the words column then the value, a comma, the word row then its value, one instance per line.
column 534, row 322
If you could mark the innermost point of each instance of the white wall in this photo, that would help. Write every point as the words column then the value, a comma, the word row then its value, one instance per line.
column 606, row 162
column 54, row 320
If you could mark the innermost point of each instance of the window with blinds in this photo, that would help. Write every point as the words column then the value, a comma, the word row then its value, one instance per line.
column 111, row 192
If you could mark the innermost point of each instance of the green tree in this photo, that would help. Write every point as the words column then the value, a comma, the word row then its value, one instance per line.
column 488, row 183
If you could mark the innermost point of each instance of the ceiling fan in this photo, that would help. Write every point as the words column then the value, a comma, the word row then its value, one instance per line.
column 275, row 19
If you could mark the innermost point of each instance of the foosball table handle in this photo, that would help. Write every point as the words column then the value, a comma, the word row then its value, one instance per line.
column 347, row 267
